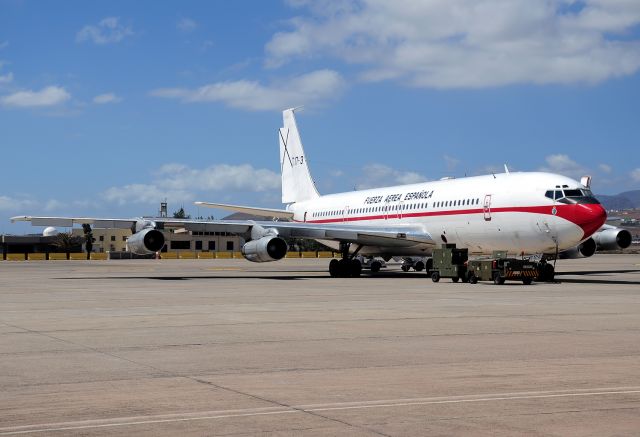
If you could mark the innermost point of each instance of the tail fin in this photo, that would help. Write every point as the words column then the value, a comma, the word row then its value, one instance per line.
column 297, row 184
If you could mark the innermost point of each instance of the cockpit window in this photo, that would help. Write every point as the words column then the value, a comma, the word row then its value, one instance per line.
column 573, row 193
column 571, row 196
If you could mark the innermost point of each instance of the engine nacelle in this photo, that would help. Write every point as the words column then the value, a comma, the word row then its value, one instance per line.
column 146, row 242
column 265, row 249
column 612, row 239
column 584, row 250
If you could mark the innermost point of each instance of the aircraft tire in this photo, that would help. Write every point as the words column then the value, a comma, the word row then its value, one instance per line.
column 418, row 266
column 355, row 268
column 546, row 272
column 334, row 268
column 549, row 273
column 405, row 268
column 376, row 266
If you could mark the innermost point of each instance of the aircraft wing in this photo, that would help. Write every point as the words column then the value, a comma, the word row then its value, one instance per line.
column 263, row 212
column 390, row 236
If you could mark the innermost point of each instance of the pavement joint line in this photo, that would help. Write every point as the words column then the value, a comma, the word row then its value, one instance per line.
column 342, row 406
column 201, row 381
column 283, row 405
column 379, row 319
column 311, row 340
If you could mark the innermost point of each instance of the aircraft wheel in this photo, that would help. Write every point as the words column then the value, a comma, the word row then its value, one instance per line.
column 334, row 268
column 405, row 268
column 473, row 279
column 355, row 268
column 527, row 281
column 435, row 276
column 419, row 266
column 498, row 279
column 456, row 279
column 546, row 272
column 376, row 266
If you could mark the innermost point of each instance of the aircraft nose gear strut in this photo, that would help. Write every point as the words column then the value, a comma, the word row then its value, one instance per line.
column 348, row 265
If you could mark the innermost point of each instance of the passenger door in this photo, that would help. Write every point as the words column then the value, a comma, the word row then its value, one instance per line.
column 486, row 208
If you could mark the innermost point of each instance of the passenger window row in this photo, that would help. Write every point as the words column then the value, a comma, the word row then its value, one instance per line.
column 450, row 203
column 397, row 207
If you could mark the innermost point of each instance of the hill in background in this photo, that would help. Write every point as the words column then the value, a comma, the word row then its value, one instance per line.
column 626, row 200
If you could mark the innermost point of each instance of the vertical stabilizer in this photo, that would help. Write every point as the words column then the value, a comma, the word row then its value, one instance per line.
column 297, row 184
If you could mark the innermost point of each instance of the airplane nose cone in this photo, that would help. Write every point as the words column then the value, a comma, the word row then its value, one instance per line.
column 590, row 217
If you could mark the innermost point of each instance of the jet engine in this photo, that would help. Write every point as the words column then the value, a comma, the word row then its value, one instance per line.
column 584, row 250
column 612, row 238
column 265, row 249
column 146, row 241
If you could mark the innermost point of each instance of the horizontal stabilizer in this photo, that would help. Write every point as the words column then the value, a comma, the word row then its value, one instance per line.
column 262, row 212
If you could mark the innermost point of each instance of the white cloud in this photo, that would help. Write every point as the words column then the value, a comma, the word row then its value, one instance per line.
column 380, row 175
column 563, row 164
column 307, row 89
column 108, row 30
column 106, row 98
column 220, row 177
column 462, row 44
column 6, row 78
column 49, row 96
column 181, row 183
column 186, row 25
column 635, row 174
column 143, row 194
column 451, row 162
column 13, row 204
column 53, row 205
column 605, row 168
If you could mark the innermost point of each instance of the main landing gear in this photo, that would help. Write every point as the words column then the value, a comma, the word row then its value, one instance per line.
column 417, row 264
column 347, row 267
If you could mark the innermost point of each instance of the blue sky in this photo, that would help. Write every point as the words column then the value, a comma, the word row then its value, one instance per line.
column 108, row 107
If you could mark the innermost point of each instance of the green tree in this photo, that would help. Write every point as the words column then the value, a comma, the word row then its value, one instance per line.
column 88, row 239
column 180, row 214
column 66, row 243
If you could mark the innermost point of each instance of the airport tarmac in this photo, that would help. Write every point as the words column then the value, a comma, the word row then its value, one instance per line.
column 226, row 347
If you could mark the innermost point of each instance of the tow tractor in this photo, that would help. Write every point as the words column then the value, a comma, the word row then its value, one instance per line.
column 499, row 268
column 451, row 262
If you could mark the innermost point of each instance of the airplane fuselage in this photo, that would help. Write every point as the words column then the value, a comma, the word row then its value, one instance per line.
column 507, row 211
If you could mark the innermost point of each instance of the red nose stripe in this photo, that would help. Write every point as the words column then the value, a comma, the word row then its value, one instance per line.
column 590, row 217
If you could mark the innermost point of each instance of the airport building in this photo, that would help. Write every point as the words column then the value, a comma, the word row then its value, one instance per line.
column 115, row 240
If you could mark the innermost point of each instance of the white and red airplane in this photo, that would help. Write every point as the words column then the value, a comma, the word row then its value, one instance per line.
column 520, row 212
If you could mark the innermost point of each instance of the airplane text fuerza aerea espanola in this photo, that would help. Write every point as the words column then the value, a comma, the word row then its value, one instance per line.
column 414, row 195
